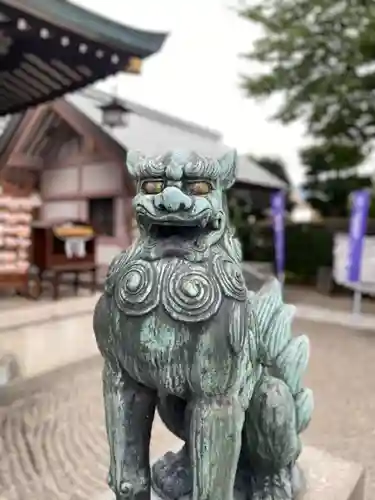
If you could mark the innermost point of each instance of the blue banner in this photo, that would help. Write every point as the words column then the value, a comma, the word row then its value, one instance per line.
column 278, row 211
column 357, row 232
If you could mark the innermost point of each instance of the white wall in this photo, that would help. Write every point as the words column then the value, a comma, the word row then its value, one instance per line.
column 58, row 210
column 101, row 177
column 59, row 181
column 105, row 253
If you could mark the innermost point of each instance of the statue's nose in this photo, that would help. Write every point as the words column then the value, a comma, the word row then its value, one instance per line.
column 172, row 199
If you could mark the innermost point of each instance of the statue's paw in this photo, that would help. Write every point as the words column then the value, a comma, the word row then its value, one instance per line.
column 171, row 475
column 277, row 486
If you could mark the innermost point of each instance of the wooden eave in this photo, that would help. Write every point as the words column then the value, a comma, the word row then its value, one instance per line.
column 51, row 47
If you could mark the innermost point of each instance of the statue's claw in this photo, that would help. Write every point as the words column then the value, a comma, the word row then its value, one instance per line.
column 126, row 490
column 279, row 486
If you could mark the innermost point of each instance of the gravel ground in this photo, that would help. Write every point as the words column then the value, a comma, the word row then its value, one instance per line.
column 52, row 441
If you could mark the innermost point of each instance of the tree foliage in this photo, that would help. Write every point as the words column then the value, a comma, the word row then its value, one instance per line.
column 274, row 166
column 329, row 181
column 320, row 54
column 331, row 197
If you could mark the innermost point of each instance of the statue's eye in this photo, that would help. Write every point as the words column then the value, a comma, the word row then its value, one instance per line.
column 200, row 188
column 152, row 187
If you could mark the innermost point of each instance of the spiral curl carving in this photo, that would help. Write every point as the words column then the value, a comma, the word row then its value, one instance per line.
column 231, row 278
column 138, row 290
column 190, row 294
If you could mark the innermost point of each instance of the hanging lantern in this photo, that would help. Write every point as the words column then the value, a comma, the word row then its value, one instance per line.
column 114, row 113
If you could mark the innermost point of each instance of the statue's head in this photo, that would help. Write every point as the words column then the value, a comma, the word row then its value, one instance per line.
column 181, row 196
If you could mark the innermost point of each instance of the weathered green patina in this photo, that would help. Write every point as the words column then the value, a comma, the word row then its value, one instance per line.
column 180, row 332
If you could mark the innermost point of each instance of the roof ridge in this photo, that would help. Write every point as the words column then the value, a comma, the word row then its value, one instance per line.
column 244, row 161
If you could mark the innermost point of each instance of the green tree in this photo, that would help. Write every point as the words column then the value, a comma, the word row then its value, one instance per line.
column 274, row 166
column 319, row 54
column 328, row 180
column 239, row 212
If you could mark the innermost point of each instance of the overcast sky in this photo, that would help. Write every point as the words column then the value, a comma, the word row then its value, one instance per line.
column 196, row 76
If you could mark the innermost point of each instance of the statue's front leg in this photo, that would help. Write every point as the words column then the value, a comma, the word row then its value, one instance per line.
column 215, row 443
column 129, row 411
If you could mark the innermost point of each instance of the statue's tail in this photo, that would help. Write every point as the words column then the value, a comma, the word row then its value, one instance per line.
column 282, row 355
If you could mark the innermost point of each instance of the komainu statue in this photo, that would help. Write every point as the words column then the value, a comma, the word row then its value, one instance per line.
column 181, row 333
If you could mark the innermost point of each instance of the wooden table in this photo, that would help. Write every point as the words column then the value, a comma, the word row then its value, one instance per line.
column 55, row 274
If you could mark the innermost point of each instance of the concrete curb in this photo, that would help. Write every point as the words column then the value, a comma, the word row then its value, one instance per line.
column 66, row 308
column 340, row 318
column 23, row 388
column 41, row 313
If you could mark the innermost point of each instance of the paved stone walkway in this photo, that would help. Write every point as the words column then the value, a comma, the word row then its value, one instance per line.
column 53, row 447
column 53, row 443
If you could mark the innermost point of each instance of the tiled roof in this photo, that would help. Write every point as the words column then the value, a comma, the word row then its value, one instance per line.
column 167, row 132
column 4, row 121
column 249, row 172
column 92, row 97
column 154, row 132
column 8, row 125
column 56, row 47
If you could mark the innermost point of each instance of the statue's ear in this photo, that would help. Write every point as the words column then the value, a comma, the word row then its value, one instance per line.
column 133, row 158
column 228, row 166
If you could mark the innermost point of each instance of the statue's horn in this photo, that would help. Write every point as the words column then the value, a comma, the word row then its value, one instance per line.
column 133, row 158
column 228, row 164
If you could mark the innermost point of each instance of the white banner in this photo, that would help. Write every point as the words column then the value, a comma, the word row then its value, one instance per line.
column 341, row 262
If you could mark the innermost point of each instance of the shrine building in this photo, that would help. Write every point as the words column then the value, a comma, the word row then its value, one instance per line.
column 63, row 141
column 66, row 153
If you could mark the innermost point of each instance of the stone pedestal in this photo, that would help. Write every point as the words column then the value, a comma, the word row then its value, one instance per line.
column 327, row 478
column 331, row 478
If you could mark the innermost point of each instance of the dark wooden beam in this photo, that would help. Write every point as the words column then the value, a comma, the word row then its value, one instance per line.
column 19, row 160
column 58, row 134
column 38, row 133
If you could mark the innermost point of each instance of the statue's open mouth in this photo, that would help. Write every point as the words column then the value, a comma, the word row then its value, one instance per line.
column 166, row 231
column 181, row 226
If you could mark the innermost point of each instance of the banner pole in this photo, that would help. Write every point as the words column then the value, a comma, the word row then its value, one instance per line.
column 278, row 215
column 357, row 301
column 357, row 231
column 282, row 279
column 282, row 282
